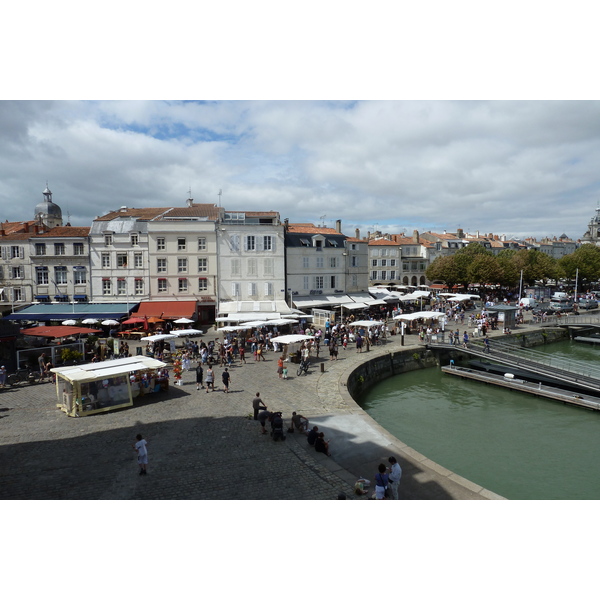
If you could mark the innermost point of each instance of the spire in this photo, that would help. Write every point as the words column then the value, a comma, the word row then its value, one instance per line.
column 47, row 194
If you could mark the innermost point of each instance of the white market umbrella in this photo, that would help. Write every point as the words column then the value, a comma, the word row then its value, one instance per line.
column 180, row 332
column 282, row 321
column 89, row 321
column 365, row 323
column 109, row 322
column 183, row 320
column 158, row 337
column 69, row 322
column 292, row 338
column 234, row 328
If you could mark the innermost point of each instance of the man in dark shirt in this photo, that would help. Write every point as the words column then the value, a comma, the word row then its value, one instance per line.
column 313, row 434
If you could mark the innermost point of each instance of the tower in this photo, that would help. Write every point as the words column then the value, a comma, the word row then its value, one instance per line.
column 47, row 212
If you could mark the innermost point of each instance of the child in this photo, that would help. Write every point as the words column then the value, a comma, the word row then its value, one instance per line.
column 142, row 452
column 284, row 371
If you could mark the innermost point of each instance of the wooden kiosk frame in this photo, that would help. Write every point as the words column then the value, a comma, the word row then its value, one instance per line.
column 83, row 390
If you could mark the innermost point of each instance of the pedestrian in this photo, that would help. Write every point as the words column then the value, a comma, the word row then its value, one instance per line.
column 313, row 434
column 465, row 340
column 280, row 367
column 486, row 344
column 285, row 371
column 210, row 379
column 263, row 417
column 226, row 378
column 381, row 482
column 199, row 373
column 142, row 453
column 42, row 365
column 2, row 376
column 359, row 342
column 257, row 404
column 242, row 351
column 321, row 444
column 394, row 476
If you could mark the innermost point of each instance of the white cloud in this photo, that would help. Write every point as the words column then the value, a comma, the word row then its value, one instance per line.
column 520, row 168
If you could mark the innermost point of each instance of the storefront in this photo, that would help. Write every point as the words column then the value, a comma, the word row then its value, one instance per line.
column 92, row 388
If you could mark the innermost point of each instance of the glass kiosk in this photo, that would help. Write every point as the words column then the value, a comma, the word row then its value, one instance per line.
column 92, row 388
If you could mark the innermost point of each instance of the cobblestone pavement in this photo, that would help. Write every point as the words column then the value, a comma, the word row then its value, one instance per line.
column 201, row 445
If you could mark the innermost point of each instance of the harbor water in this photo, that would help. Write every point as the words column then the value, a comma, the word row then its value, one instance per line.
column 517, row 445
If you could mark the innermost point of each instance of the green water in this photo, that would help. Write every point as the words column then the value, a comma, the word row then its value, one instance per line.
column 517, row 445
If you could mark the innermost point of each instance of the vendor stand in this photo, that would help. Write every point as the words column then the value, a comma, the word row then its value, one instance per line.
column 92, row 388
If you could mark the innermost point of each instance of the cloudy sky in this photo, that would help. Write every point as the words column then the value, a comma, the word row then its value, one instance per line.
column 516, row 168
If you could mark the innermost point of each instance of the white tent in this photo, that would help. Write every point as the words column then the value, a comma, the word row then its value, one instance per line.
column 366, row 323
column 180, row 332
column 424, row 314
column 158, row 337
column 291, row 339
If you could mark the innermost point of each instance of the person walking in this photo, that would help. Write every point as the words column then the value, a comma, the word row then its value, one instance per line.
column 142, row 453
column 280, row 367
column 199, row 373
column 381, row 482
column 394, row 476
column 210, row 379
column 226, row 378
column 257, row 404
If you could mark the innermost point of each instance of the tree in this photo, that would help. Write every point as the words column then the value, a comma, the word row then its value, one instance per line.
column 443, row 269
column 485, row 270
column 584, row 262
column 465, row 257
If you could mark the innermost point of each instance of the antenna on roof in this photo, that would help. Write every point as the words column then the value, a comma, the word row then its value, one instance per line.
column 220, row 194
column 322, row 217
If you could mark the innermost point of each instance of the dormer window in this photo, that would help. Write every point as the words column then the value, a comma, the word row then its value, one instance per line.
column 304, row 242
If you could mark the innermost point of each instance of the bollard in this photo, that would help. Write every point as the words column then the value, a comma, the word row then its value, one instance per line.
column 402, row 340
column 322, row 367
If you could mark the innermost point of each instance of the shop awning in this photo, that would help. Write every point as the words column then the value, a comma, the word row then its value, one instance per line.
column 43, row 298
column 320, row 300
column 167, row 309
column 80, row 297
column 108, row 368
column 58, row 331
column 76, row 310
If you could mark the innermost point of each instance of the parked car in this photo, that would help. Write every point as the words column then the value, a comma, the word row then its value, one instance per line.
column 559, row 307
column 559, row 297
column 528, row 303
column 587, row 303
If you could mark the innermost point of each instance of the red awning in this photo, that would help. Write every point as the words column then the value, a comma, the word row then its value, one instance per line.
column 58, row 331
column 172, row 309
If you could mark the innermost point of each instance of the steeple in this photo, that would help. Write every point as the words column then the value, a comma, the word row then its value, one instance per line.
column 47, row 211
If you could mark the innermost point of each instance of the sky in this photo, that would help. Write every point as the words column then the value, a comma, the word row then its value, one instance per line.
column 519, row 168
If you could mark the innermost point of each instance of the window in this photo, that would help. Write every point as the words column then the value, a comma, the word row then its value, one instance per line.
column 121, row 287
column 181, row 244
column 161, row 265
column 332, row 282
column 384, row 252
column 235, row 289
column 383, row 275
column 17, row 273
column 306, row 284
column 267, row 242
column 234, row 242
column 374, row 262
column 17, row 294
column 353, row 246
column 139, row 287
column 318, row 282
column 250, row 243
column 406, row 266
column 42, row 275
column 182, row 265
column 202, row 265
column 108, row 240
column 319, row 262
column 268, row 267
column 392, row 262
column 201, row 244
column 235, row 266
column 333, row 262
column 122, row 259
column 78, row 249
column 202, row 284
column 134, row 239
column 17, row 252
column 373, row 275
column 79, row 275
column 40, row 249
column 355, row 261
column 160, row 243
column 304, row 242
column 182, row 285
column 333, row 243
column 106, row 287
column 319, row 245
column 138, row 260
column 60, row 275
column 268, row 288
column 306, row 262
column 252, row 291
column 162, row 285
column 106, row 260
column 251, row 266
column 354, row 281
column 383, row 262
column 392, row 274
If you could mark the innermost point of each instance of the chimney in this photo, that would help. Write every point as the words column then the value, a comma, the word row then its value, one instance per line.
column 416, row 236
column 357, row 233
column 459, row 234
column 190, row 202
column 25, row 227
column 286, row 222
column 338, row 226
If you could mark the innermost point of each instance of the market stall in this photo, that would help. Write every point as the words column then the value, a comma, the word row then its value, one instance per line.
column 92, row 388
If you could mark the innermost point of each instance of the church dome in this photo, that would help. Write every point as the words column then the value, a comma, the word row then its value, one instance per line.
column 47, row 211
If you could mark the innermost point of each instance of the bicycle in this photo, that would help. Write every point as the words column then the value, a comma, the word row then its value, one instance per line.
column 303, row 367
column 23, row 376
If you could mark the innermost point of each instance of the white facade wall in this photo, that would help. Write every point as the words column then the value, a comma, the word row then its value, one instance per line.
column 250, row 261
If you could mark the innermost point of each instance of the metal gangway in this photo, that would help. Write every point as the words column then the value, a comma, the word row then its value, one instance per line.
column 585, row 376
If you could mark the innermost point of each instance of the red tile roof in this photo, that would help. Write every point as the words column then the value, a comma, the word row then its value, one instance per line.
column 65, row 232
column 167, row 309
column 312, row 229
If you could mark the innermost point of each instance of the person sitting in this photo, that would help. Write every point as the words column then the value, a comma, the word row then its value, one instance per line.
column 321, row 444
column 300, row 422
column 313, row 434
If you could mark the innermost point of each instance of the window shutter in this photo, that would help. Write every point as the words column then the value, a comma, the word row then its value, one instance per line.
column 21, row 252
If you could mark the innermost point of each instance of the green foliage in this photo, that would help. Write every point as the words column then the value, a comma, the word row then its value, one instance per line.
column 586, row 260
column 68, row 355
